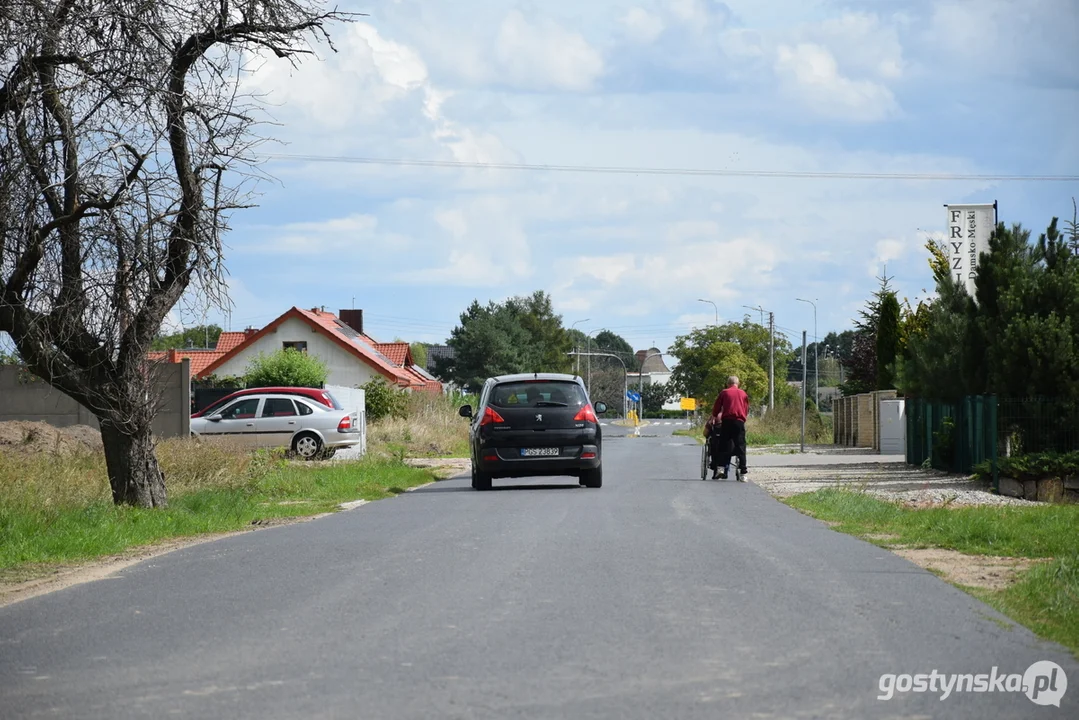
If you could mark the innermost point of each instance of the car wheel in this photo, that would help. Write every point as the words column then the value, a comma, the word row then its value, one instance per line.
column 480, row 481
column 592, row 478
column 307, row 446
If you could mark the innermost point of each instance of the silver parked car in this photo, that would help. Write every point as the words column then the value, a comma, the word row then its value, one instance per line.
column 309, row 429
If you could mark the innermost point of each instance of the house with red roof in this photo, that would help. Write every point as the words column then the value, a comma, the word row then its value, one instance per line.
column 201, row 359
column 352, row 357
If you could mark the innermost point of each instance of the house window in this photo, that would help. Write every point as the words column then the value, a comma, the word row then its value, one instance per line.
column 300, row 345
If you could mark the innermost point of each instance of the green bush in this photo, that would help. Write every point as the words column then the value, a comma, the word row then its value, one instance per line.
column 384, row 401
column 1032, row 466
column 286, row 368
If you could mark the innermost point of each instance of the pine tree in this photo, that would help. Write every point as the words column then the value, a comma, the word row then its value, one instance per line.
column 887, row 343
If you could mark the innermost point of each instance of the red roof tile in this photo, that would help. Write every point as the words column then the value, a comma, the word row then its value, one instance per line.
column 398, row 352
column 228, row 340
column 200, row 359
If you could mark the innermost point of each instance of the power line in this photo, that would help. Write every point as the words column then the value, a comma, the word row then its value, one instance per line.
column 614, row 170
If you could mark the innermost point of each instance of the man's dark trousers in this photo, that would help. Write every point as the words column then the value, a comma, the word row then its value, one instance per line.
column 731, row 432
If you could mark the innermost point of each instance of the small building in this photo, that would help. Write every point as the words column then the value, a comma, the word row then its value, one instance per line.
column 654, row 371
column 352, row 357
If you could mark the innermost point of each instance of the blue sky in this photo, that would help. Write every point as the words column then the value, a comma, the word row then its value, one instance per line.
column 948, row 86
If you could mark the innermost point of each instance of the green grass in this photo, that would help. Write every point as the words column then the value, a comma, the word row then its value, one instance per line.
column 41, row 532
column 1046, row 600
column 1046, row 597
column 694, row 433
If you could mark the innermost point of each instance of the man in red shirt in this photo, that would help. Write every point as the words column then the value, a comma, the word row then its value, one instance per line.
column 729, row 414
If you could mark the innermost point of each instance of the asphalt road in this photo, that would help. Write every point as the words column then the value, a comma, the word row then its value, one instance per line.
column 659, row 596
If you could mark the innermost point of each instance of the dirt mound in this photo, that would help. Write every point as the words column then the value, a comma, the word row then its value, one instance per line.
column 21, row 436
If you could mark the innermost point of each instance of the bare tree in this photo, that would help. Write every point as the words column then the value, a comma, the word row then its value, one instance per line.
column 125, row 143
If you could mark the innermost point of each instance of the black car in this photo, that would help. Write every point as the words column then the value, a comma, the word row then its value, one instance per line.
column 535, row 424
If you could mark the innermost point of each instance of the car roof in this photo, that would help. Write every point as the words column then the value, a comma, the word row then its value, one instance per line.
column 310, row 392
column 520, row 377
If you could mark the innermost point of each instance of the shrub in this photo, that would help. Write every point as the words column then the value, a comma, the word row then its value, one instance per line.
column 286, row 368
column 384, row 401
column 1032, row 466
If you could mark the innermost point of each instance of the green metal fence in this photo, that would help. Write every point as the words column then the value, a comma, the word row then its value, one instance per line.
column 956, row 436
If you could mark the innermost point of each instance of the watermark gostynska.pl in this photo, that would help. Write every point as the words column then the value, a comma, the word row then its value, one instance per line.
column 1044, row 683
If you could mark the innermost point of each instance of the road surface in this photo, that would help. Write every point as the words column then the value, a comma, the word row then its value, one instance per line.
column 659, row 596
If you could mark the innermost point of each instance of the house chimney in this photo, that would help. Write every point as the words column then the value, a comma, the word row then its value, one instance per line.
column 352, row 318
column 174, row 356
column 248, row 332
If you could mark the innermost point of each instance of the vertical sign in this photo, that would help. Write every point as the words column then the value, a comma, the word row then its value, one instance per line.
column 969, row 228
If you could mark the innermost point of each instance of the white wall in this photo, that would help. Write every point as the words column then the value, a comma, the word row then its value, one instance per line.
column 353, row 400
column 346, row 369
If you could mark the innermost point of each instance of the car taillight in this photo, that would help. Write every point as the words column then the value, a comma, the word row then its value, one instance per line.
column 345, row 424
column 586, row 414
column 490, row 417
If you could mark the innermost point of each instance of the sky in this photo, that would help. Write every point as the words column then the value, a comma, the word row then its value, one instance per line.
column 857, row 86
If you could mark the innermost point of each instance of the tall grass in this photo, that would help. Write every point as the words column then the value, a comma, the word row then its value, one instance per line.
column 432, row 428
column 58, row 508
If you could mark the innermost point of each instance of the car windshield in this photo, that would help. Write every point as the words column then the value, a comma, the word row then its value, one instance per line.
column 542, row 393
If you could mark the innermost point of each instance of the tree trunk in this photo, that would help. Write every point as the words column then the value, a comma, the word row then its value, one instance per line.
column 134, row 474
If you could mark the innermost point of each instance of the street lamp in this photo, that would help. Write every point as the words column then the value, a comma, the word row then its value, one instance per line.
column 713, row 305
column 816, row 366
column 640, row 376
column 571, row 327
column 625, row 375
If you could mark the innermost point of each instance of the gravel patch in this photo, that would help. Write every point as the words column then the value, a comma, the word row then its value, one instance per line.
column 892, row 481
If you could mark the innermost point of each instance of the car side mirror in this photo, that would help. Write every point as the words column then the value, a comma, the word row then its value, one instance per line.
column 214, row 418
column 465, row 411
column 600, row 408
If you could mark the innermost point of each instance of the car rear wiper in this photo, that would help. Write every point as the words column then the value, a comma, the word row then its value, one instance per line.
column 551, row 403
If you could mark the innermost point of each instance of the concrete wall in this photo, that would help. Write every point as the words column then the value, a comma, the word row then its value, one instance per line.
column 856, row 419
column 38, row 401
column 345, row 369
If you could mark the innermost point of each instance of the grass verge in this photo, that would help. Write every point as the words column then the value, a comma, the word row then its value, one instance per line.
column 1045, row 598
column 57, row 509
column 783, row 426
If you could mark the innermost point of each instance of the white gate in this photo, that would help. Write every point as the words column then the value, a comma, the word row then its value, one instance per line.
column 893, row 427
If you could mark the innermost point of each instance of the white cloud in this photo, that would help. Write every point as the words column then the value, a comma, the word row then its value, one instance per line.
column 541, row 54
column 642, row 26
column 810, row 73
column 887, row 250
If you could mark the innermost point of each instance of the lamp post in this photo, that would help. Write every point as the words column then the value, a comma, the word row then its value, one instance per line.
column 576, row 346
column 713, row 305
column 640, row 376
column 625, row 375
column 816, row 367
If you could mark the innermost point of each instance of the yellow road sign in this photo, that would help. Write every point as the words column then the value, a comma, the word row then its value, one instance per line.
column 689, row 404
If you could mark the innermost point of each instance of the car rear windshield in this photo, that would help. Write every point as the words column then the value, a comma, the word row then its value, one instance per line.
column 333, row 400
column 538, row 393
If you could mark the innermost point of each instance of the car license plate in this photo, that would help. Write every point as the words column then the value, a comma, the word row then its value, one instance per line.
column 539, row 452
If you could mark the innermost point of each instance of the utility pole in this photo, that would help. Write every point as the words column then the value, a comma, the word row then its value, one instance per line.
column 576, row 346
column 816, row 369
column 803, row 391
column 771, row 353
column 771, row 361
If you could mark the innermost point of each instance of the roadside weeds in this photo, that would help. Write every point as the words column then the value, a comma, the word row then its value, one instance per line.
column 58, row 525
